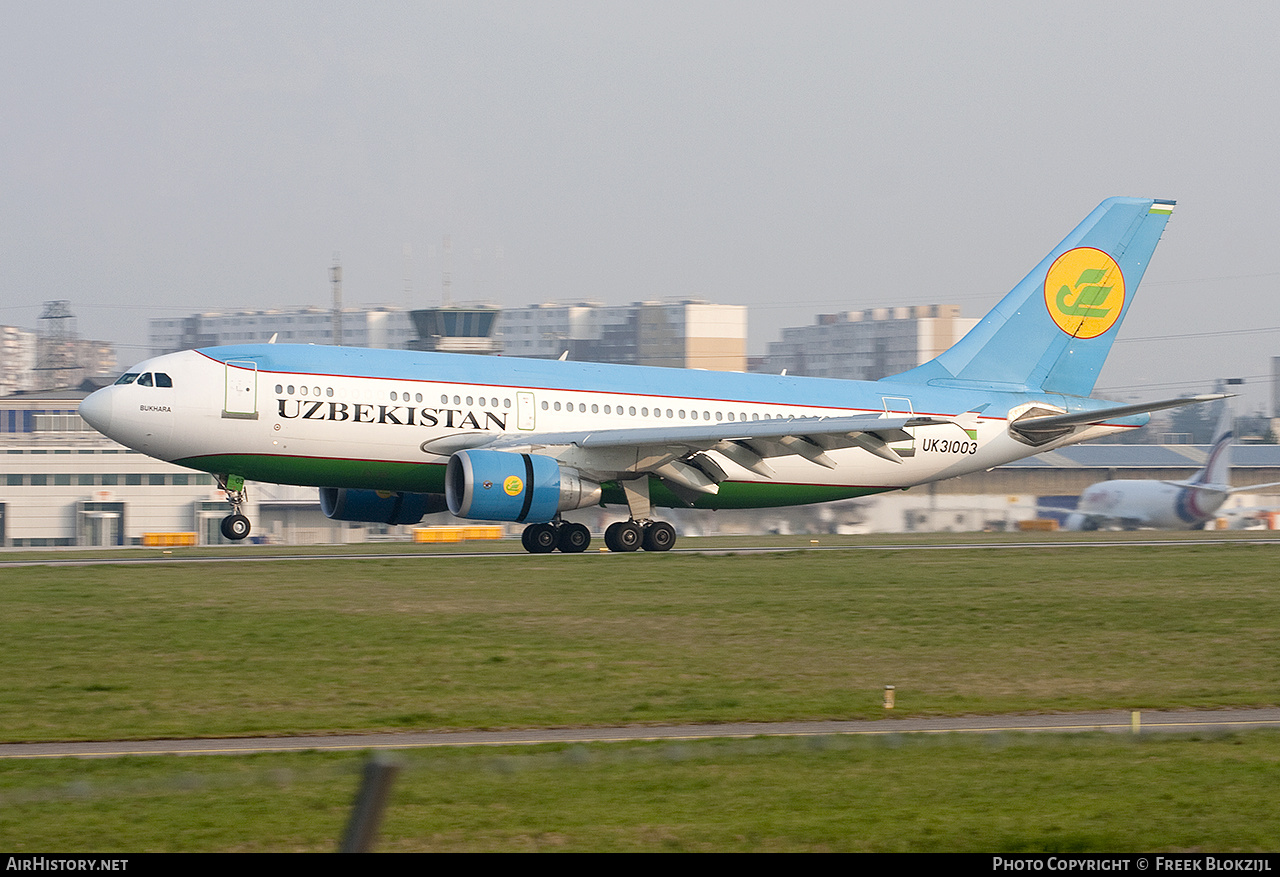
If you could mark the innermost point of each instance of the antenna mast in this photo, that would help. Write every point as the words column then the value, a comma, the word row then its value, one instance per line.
column 335, row 277
column 447, row 280
column 57, row 358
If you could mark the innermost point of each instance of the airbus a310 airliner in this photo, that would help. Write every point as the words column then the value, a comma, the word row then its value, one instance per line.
column 389, row 435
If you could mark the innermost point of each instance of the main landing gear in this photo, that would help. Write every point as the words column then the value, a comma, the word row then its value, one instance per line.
column 235, row 526
column 639, row 532
column 570, row 538
column 631, row 535
column 545, row 538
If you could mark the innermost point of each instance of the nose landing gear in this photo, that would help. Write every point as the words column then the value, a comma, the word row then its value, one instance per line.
column 235, row 526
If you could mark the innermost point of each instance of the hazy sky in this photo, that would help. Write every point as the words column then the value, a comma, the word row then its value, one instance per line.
column 162, row 158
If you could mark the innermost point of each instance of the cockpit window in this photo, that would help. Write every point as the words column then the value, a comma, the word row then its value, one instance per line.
column 145, row 380
column 127, row 378
column 163, row 380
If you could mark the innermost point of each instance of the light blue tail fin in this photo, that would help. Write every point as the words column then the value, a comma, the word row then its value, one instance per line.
column 1054, row 330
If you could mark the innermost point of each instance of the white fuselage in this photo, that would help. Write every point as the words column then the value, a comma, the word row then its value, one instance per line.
column 330, row 429
column 1139, row 503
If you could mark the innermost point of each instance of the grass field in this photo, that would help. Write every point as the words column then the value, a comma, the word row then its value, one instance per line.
column 1005, row 793
column 344, row 645
column 206, row 650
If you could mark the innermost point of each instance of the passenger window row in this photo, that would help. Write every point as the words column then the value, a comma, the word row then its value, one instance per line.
column 674, row 414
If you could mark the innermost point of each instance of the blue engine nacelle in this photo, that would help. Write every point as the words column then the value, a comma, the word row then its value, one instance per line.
column 502, row 486
column 378, row 506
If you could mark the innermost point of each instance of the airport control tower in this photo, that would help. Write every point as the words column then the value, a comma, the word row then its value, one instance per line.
column 456, row 330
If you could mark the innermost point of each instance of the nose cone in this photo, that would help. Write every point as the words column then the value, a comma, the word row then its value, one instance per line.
column 96, row 410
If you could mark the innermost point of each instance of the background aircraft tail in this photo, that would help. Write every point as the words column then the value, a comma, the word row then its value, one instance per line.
column 1217, row 469
column 1053, row 331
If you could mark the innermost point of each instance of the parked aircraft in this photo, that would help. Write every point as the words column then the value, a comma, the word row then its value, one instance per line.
column 1165, row 505
column 391, row 435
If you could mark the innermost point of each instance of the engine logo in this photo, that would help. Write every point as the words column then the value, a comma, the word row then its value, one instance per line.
column 513, row 486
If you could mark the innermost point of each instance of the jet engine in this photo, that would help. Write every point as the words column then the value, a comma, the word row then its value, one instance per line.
column 504, row 486
column 378, row 506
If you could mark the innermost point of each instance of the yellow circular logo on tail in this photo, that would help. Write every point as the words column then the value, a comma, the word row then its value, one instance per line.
column 1084, row 291
column 513, row 485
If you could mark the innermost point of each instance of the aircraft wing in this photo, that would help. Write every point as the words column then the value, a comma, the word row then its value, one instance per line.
column 674, row 453
column 828, row 432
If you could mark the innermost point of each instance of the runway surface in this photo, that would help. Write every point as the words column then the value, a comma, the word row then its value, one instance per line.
column 1114, row 721
column 74, row 557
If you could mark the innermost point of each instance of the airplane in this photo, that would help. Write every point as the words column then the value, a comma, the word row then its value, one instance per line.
column 391, row 435
column 1164, row 505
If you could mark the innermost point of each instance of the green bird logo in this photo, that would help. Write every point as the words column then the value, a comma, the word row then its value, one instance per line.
column 1088, row 298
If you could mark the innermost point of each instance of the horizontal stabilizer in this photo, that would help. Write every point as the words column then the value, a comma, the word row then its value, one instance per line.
column 1039, row 430
column 1222, row 488
column 1247, row 488
column 1193, row 485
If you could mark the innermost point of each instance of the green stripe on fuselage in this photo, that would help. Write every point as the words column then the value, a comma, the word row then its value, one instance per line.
column 746, row 495
column 429, row 478
column 322, row 472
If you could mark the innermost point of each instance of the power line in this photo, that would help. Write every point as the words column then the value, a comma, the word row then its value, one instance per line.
column 1220, row 333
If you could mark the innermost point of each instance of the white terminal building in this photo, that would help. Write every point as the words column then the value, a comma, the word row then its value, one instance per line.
column 17, row 360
